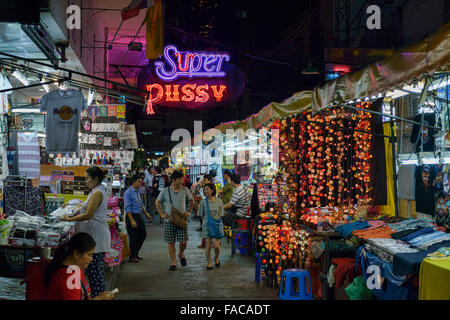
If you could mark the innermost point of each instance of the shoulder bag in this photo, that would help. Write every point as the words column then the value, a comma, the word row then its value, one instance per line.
column 215, row 226
column 176, row 217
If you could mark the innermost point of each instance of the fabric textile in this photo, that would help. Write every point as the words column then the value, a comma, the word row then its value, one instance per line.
column 346, row 230
column 406, row 182
column 136, row 235
column 174, row 234
column 96, row 274
column 405, row 263
column 425, row 199
column 29, row 154
column 434, row 279
column 410, row 224
column 344, row 266
column 416, row 234
column 63, row 113
column 424, row 241
column 404, row 233
column 377, row 232
column 392, row 287
column 14, row 199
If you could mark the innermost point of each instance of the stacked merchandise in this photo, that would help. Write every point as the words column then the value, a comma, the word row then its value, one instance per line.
column 34, row 231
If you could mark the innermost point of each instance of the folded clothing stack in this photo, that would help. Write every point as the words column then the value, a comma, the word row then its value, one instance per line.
column 424, row 241
column 345, row 230
column 410, row 224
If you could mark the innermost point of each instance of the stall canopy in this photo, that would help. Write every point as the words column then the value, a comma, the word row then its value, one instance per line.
column 298, row 102
column 428, row 56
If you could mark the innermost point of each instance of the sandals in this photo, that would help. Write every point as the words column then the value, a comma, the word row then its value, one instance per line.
column 209, row 268
column 218, row 264
column 172, row 268
column 134, row 260
column 183, row 262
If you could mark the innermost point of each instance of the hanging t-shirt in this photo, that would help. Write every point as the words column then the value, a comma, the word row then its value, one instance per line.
column 424, row 192
column 64, row 108
column 4, row 84
column 427, row 134
column 29, row 154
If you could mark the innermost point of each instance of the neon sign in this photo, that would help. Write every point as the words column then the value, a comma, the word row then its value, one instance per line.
column 190, row 64
column 191, row 80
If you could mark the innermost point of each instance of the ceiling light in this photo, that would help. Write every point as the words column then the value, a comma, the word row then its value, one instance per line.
column 19, row 76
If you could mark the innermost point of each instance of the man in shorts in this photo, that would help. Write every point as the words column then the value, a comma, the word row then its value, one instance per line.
column 180, row 196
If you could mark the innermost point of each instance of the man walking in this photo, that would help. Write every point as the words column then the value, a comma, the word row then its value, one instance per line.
column 134, row 222
column 176, row 195
column 158, row 184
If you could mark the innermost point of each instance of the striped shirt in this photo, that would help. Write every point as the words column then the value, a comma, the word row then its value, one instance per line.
column 241, row 199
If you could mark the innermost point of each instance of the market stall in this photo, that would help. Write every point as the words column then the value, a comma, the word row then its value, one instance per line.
column 333, row 207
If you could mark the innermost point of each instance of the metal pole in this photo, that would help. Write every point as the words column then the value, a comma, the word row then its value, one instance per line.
column 112, row 41
column 394, row 163
column 391, row 116
column 26, row 87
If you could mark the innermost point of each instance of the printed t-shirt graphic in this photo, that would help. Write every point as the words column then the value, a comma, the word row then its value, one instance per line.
column 63, row 111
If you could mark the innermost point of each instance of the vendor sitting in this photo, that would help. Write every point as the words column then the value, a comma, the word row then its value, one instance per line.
column 61, row 281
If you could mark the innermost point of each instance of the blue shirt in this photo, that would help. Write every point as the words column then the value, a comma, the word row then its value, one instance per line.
column 133, row 201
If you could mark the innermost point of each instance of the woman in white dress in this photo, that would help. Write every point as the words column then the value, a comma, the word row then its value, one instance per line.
column 91, row 218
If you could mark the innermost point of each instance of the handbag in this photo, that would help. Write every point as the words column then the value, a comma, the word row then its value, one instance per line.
column 176, row 217
column 215, row 226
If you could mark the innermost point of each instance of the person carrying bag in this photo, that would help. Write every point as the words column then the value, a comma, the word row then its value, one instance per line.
column 212, row 229
column 177, row 217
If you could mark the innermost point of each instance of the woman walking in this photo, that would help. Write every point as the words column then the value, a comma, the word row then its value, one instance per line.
column 92, row 220
column 211, row 210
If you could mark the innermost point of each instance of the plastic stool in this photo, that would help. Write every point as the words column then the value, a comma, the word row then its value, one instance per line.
column 287, row 285
column 241, row 242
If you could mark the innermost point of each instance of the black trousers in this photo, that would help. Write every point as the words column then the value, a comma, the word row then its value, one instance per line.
column 136, row 235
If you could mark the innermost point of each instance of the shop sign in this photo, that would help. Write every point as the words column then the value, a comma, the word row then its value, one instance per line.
column 193, row 80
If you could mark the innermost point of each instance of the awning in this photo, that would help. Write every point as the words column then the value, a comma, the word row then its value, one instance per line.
column 297, row 103
column 431, row 54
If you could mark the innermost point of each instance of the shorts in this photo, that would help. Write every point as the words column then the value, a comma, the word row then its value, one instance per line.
column 174, row 234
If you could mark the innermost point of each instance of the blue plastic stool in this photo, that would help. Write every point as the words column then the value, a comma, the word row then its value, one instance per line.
column 287, row 285
column 241, row 242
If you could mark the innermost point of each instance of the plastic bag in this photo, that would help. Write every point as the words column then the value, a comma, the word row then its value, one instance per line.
column 357, row 290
